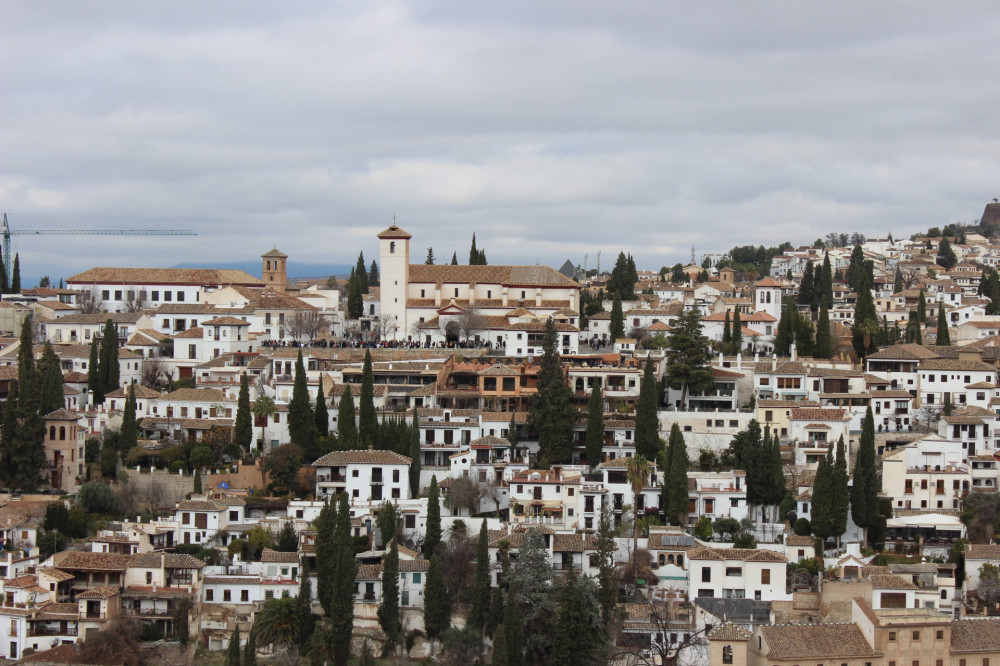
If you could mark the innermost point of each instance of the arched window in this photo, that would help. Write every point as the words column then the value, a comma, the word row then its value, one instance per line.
column 267, row 264
column 944, row 594
column 727, row 654
column 62, row 433
column 392, row 246
column 680, row 560
column 670, row 559
column 52, row 432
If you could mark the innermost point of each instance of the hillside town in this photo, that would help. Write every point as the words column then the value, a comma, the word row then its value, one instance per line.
column 771, row 456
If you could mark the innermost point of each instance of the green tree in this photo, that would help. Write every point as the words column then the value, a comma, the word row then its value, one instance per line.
column 233, row 651
column 897, row 283
column 347, row 429
column 197, row 481
column 50, row 382
column 355, row 302
column 93, row 374
column 531, row 576
column 595, row 427
column 388, row 610
column 454, row 258
column 607, row 574
column 128, row 434
column 513, row 625
column 321, row 415
column 288, row 541
column 827, row 279
column 688, row 355
column 617, row 324
column 96, row 497
column 677, row 274
column 500, row 652
column 787, row 327
column 15, row 280
column 361, row 273
column 647, row 424
column 326, row 555
column 943, row 334
column 276, row 624
column 824, row 337
column 415, row 456
column 945, row 256
column 432, row 535
column 637, row 474
column 243, row 428
column 552, row 413
column 856, row 269
column 727, row 336
column 864, row 493
column 367, row 418
column 822, row 499
column 922, row 308
column 840, row 503
column 674, row 494
column 301, row 425
column 579, row 635
column 430, row 257
column 374, row 279
column 342, row 597
column 477, row 257
column 437, row 605
column 480, row 613
column 807, row 288
column 864, row 332
column 737, row 334
column 303, row 605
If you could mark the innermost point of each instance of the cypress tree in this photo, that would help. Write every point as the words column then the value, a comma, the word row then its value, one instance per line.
column 347, row 429
column 326, row 556
column 807, row 288
column 512, row 431
column 607, row 575
column 26, row 454
column 355, row 302
column 454, row 258
column 250, row 649
column 943, row 334
column 432, row 536
column 367, row 418
column 108, row 370
column 415, row 457
column 677, row 481
column 430, row 257
column 437, row 606
column 128, row 434
column 233, row 651
column 342, row 617
column 93, row 380
column 320, row 414
column 617, row 325
column 864, row 493
column 15, row 280
column 26, row 375
column 595, row 428
column 864, row 332
column 243, row 429
column 737, row 333
column 514, row 630
column 500, row 653
column 4, row 281
column 822, row 497
column 50, row 380
column 575, row 641
column 946, row 256
column 480, row 613
column 647, row 425
column 552, row 413
column 361, row 273
column 827, row 278
column 7, row 433
column 841, row 499
column 804, row 334
column 373, row 275
column 856, row 269
column 301, row 425
column 197, row 481
column 388, row 610
column 776, row 473
column 787, row 326
column 688, row 355
column 727, row 339
column 303, row 609
column 922, row 308
column 897, row 284
column 824, row 337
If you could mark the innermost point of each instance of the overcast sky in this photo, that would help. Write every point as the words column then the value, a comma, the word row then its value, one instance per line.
column 551, row 129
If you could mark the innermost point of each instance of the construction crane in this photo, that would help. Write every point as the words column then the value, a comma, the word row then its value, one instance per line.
column 7, row 233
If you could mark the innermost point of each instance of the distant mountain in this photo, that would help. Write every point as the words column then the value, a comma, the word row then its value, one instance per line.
column 296, row 269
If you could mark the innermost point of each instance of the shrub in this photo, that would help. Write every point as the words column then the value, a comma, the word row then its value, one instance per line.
column 802, row 527
column 95, row 497
column 703, row 530
column 745, row 540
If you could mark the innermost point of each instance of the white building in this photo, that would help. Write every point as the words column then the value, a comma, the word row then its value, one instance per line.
column 366, row 476
column 737, row 573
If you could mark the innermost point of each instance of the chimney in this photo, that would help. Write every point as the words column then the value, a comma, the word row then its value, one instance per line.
column 774, row 362
column 739, row 361
column 791, row 349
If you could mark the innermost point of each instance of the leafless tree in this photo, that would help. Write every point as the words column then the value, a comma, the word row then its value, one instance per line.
column 385, row 327
column 155, row 373
column 128, row 497
column 459, row 554
column 117, row 643
column 154, row 494
column 492, row 492
column 667, row 618
column 90, row 302
column 464, row 493
column 307, row 324
column 135, row 301
column 928, row 414
column 470, row 322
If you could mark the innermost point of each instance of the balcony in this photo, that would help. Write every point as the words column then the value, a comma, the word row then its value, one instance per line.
column 51, row 631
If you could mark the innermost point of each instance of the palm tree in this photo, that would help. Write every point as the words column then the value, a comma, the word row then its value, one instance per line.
column 276, row 623
column 264, row 408
column 636, row 469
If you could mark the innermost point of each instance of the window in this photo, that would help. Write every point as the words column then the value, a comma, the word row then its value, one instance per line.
column 234, row 516
column 734, row 571
column 892, row 635
column 706, row 574
column 180, row 296
column 765, row 576
column 168, row 295
column 105, row 295
column 940, row 632
column 227, row 595
column 209, row 595
column 186, row 519
column 916, row 635
column 727, row 654
column 416, row 578
column 395, row 476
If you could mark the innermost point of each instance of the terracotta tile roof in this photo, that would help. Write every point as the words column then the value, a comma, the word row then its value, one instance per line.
column 22, row 582
column 369, row 572
column 198, row 395
column 729, row 632
column 519, row 276
column 342, row 458
column 978, row 635
column 490, row 441
column 54, row 574
column 82, row 561
column 194, row 332
column 982, row 551
column 198, row 505
column 890, row 582
column 268, row 555
column 274, row 253
column 955, row 364
column 194, row 276
column 166, row 560
column 140, row 392
column 819, row 415
column 414, row 565
column 902, row 352
column 272, row 299
column 62, row 415
column 394, row 232
column 225, row 321
column 744, row 554
column 102, row 592
column 797, row 540
column 780, row 368
column 573, row 543
column 800, row 641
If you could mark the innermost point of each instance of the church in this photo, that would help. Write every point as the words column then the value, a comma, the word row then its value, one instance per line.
column 503, row 306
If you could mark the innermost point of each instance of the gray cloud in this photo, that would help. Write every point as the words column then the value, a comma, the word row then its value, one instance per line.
column 551, row 129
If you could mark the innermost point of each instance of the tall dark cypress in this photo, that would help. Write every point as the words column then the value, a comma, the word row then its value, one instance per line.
column 480, row 613
column 4, row 281
column 415, row 456
column 367, row 418
column 647, row 425
column 787, row 326
column 301, row 426
column 361, row 274
column 577, row 638
column 864, row 332
column 737, row 332
column 727, row 338
column 128, row 435
column 326, row 556
column 943, row 334
column 823, row 497
column 617, row 324
column 320, row 414
column 108, row 369
column 864, row 492
column 512, row 623
column 552, row 413
column 432, row 535
column 27, row 456
column 303, row 609
column 50, row 382
column 827, row 278
column 824, row 337
column 437, row 605
column 388, row 610
column 93, row 374
column 15, row 280
column 342, row 615
column 676, row 479
column 807, row 288
column 347, row 429
column 595, row 428
column 243, row 428
column 840, row 504
column 8, row 430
